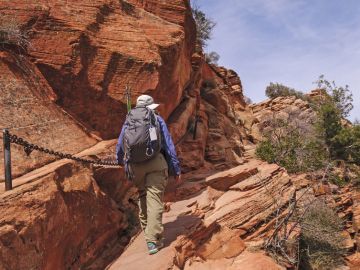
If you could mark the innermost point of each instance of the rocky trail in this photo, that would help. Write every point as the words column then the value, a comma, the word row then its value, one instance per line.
column 207, row 219
column 66, row 92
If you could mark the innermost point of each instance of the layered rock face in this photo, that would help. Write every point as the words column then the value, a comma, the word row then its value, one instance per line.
column 70, row 95
column 90, row 52
column 215, row 106
column 67, row 216
column 65, row 93
column 27, row 110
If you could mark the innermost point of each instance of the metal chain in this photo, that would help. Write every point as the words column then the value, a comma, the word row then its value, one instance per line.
column 29, row 147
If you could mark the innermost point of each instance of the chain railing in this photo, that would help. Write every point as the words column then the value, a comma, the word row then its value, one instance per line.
column 9, row 138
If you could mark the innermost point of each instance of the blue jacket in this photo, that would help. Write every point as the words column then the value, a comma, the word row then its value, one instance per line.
column 167, row 148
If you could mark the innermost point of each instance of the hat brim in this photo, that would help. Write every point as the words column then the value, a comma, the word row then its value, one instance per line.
column 153, row 106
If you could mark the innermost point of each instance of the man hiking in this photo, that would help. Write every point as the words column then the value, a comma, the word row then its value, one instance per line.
column 146, row 149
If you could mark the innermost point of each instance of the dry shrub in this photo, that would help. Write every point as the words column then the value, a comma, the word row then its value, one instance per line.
column 321, row 241
column 11, row 34
column 292, row 143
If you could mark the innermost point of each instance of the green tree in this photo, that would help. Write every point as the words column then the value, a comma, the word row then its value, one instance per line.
column 341, row 96
column 204, row 26
column 346, row 144
column 329, row 125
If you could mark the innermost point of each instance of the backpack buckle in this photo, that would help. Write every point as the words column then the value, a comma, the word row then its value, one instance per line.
column 151, row 151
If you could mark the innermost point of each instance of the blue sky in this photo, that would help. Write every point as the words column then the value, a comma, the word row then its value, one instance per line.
column 288, row 41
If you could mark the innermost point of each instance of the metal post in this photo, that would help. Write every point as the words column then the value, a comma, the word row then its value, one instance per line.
column 7, row 160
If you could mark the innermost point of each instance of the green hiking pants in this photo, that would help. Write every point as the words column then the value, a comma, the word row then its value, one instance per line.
column 150, row 177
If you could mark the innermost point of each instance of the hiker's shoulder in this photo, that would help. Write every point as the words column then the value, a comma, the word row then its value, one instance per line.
column 159, row 118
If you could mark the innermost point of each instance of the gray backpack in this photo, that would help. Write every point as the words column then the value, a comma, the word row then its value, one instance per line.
column 142, row 137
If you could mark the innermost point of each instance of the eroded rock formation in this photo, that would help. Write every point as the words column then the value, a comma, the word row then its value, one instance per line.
column 90, row 52
column 70, row 96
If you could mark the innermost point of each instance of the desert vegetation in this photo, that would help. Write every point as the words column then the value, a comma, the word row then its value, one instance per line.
column 12, row 35
column 303, row 146
column 321, row 241
column 204, row 31
column 274, row 90
column 327, row 149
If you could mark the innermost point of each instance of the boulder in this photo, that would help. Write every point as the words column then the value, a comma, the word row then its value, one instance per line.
column 60, row 220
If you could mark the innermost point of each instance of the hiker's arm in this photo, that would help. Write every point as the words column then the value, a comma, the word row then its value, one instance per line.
column 169, row 146
column 119, row 146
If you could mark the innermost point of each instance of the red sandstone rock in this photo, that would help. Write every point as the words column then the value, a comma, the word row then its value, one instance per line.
column 224, row 180
column 89, row 52
column 353, row 261
column 28, row 111
column 224, row 244
column 247, row 260
column 63, row 221
column 255, row 261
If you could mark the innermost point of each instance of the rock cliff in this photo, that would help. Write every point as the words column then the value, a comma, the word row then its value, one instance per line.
column 65, row 91
column 90, row 52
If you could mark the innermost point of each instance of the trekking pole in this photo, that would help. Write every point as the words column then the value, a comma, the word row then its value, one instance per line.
column 195, row 126
column 128, row 98
column 7, row 160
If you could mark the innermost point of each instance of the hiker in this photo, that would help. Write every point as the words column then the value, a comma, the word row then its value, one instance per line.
column 147, row 151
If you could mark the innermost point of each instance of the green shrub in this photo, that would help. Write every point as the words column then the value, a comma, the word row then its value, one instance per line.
column 209, row 83
column 355, row 175
column 266, row 151
column 341, row 96
column 328, row 125
column 275, row 90
column 346, row 144
column 291, row 146
column 337, row 180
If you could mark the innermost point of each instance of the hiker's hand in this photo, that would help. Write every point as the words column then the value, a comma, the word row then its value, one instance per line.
column 178, row 180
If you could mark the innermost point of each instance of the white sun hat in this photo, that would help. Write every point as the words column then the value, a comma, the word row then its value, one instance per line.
column 146, row 100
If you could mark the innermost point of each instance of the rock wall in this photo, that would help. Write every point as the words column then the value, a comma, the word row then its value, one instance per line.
column 67, row 216
column 89, row 52
column 212, row 104
column 63, row 221
column 70, row 95
column 27, row 110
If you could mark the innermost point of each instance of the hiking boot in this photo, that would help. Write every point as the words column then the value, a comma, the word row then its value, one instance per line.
column 152, row 248
column 160, row 243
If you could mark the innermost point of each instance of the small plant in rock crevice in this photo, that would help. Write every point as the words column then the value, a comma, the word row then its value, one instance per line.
column 12, row 35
